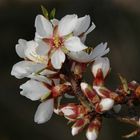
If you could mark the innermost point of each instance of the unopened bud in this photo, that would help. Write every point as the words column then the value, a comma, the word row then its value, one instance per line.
column 79, row 125
column 100, row 69
column 90, row 93
column 93, row 129
column 103, row 92
column 105, row 105
column 73, row 111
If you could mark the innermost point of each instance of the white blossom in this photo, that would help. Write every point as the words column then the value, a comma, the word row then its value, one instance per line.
column 59, row 37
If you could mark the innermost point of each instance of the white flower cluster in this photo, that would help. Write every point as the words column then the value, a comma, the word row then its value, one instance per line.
column 44, row 56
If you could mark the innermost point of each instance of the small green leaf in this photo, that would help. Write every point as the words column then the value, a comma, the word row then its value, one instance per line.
column 124, row 84
column 44, row 11
column 52, row 13
column 45, row 96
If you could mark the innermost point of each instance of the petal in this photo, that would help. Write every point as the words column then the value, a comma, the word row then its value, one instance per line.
column 43, row 27
column 82, row 25
column 48, row 72
column 34, row 90
column 57, row 59
column 83, row 38
column 67, row 24
column 25, row 68
column 40, row 78
column 42, row 48
column 37, row 37
column 91, row 28
column 74, row 44
column 54, row 22
column 21, row 47
column 67, row 111
column 44, row 111
column 35, row 50
column 80, row 56
column 100, row 50
column 92, row 135
column 106, row 104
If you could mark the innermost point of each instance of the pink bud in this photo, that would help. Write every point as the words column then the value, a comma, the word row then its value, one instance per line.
column 79, row 125
column 89, row 93
column 93, row 129
column 73, row 111
column 105, row 105
column 100, row 69
column 103, row 92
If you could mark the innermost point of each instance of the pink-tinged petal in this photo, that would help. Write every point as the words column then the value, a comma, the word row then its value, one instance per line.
column 82, row 25
column 43, row 27
column 74, row 44
column 21, row 47
column 57, row 59
column 44, row 111
column 25, row 68
column 67, row 24
column 34, row 90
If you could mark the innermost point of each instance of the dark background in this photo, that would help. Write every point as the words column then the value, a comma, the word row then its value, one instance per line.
column 117, row 23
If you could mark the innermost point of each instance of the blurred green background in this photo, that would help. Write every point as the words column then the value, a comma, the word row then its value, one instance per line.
column 117, row 23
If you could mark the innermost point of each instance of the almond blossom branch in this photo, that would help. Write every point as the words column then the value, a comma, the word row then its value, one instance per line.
column 54, row 63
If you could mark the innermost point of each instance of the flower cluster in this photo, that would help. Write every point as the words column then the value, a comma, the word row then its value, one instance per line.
column 55, row 61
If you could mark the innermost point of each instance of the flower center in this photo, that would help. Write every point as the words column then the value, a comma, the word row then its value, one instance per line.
column 57, row 41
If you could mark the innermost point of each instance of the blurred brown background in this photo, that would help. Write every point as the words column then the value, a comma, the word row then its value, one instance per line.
column 117, row 23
